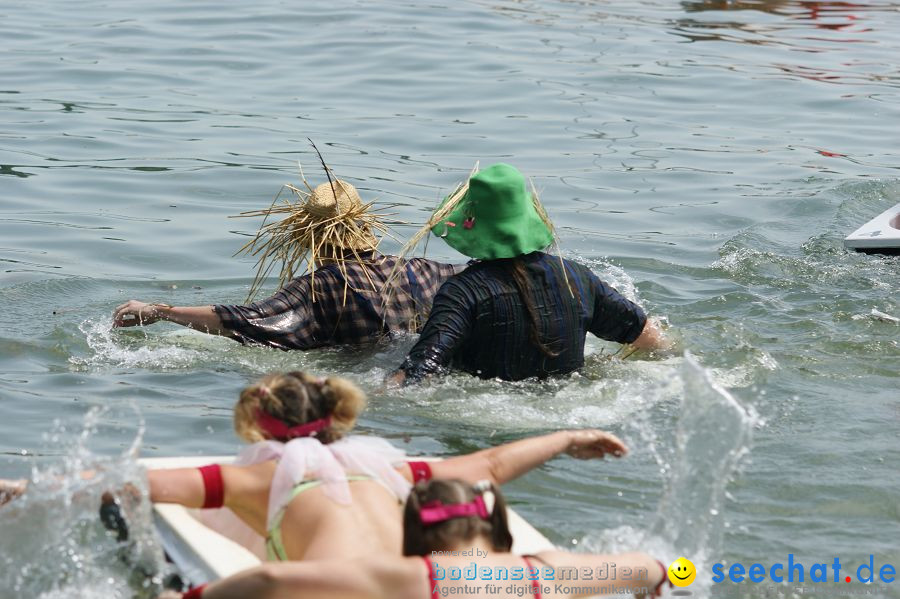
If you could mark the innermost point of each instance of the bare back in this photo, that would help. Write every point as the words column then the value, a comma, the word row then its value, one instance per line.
column 316, row 527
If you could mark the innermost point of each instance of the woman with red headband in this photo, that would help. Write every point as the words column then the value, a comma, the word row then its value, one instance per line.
column 458, row 541
column 337, row 495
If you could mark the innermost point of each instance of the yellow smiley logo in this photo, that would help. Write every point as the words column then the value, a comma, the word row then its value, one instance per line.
column 682, row 572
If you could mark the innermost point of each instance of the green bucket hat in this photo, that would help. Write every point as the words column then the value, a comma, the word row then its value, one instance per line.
column 496, row 217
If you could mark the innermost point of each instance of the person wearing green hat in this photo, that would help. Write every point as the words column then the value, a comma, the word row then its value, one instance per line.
column 516, row 312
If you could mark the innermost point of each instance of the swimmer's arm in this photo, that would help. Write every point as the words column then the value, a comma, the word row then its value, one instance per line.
column 507, row 462
column 246, row 489
column 11, row 488
column 396, row 578
column 652, row 337
column 203, row 318
column 615, row 318
column 176, row 485
column 185, row 486
column 449, row 325
column 634, row 572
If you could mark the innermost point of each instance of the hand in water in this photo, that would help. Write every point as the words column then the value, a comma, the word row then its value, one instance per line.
column 134, row 313
column 10, row 489
column 593, row 443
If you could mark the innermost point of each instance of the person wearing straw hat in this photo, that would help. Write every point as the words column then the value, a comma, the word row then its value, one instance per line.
column 515, row 312
column 347, row 295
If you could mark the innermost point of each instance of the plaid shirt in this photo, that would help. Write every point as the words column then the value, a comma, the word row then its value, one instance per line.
column 348, row 310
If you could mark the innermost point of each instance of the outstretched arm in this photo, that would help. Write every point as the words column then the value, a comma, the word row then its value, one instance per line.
column 635, row 572
column 616, row 318
column 137, row 313
column 448, row 326
column 10, row 489
column 652, row 337
column 504, row 463
column 244, row 489
column 396, row 578
column 176, row 485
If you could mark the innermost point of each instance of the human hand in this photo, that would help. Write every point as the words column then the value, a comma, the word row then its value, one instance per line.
column 10, row 489
column 592, row 443
column 394, row 380
column 136, row 313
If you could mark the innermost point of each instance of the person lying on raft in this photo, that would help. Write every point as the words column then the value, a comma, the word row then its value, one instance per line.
column 442, row 517
column 515, row 312
column 313, row 493
column 345, row 297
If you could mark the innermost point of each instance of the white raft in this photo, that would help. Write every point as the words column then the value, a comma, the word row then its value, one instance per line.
column 202, row 554
column 879, row 235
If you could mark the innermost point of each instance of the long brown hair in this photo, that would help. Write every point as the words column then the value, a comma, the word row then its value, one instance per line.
column 297, row 398
column 419, row 539
column 516, row 269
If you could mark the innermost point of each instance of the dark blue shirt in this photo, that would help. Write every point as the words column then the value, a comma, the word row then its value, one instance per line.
column 480, row 324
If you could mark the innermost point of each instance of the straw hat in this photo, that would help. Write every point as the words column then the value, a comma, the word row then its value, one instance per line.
column 329, row 222
column 324, row 209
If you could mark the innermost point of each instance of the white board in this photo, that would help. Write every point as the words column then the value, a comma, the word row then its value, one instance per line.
column 880, row 233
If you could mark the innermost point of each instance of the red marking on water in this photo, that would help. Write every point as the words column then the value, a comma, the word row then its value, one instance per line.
column 831, row 154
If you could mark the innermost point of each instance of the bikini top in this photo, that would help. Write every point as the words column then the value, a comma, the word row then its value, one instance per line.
column 306, row 458
column 535, row 585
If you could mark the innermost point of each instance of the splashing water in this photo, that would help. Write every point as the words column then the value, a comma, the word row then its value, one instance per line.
column 712, row 435
column 111, row 348
column 53, row 543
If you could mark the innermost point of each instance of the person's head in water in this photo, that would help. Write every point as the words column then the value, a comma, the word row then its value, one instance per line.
column 284, row 406
column 445, row 515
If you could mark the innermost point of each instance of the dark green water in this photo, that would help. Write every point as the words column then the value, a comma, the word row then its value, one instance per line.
column 707, row 158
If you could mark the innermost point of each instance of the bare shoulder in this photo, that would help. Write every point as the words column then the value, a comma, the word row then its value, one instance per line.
column 247, row 479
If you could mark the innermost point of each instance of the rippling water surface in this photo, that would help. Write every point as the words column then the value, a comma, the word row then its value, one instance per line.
column 706, row 157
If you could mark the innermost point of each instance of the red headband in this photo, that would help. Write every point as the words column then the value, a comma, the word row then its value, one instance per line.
column 435, row 511
column 279, row 430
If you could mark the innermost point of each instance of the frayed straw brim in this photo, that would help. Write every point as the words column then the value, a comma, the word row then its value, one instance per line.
column 306, row 234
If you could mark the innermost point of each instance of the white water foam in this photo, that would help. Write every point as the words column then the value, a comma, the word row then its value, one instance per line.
column 53, row 543
column 110, row 346
column 712, row 438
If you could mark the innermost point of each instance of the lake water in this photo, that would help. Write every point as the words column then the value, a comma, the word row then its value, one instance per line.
column 706, row 157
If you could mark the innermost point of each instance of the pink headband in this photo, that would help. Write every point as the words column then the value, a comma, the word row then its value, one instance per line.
column 279, row 430
column 435, row 511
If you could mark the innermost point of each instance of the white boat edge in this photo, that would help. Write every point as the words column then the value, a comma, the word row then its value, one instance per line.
column 203, row 555
column 882, row 232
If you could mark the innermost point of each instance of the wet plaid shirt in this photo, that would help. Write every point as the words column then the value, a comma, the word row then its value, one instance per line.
column 350, row 310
